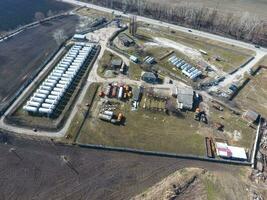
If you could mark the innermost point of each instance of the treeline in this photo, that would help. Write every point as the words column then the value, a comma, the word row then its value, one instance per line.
column 244, row 26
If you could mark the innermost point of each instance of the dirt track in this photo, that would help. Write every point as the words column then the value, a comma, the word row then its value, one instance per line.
column 36, row 170
column 21, row 55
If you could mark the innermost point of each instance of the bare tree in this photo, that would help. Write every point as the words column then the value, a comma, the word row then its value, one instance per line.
column 59, row 36
column 50, row 13
column 39, row 16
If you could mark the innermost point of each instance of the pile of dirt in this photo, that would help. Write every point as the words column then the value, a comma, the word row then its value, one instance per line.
column 183, row 184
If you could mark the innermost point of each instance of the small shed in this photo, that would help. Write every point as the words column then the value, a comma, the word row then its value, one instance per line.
column 79, row 37
column 134, row 59
column 149, row 77
column 125, row 40
column 251, row 116
column 116, row 63
column 137, row 92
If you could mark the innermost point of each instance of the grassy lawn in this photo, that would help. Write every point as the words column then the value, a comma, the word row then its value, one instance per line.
column 231, row 56
column 105, row 62
column 84, row 107
column 146, row 130
column 134, row 71
column 254, row 94
column 231, row 124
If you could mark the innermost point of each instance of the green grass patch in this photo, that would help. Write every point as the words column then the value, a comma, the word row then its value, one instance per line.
column 146, row 130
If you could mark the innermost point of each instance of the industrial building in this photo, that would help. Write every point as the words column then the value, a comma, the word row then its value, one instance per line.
column 251, row 116
column 126, row 40
column 187, row 69
column 52, row 90
column 185, row 97
column 149, row 77
column 149, row 60
column 230, row 152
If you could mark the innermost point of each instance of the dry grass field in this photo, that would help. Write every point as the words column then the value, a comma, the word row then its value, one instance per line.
column 21, row 55
column 254, row 95
column 35, row 169
column 254, row 7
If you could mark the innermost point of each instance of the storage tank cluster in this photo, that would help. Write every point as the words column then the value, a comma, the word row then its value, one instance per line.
column 47, row 97
column 186, row 68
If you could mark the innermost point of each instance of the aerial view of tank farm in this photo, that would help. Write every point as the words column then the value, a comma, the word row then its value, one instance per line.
column 49, row 94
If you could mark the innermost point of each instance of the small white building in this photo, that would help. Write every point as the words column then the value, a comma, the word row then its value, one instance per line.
column 79, row 37
column 134, row 59
column 230, row 152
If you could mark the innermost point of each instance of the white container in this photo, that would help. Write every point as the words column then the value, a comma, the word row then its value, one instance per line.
column 49, row 106
column 30, row 109
column 45, row 111
column 43, row 91
column 36, row 99
column 120, row 94
column 43, row 87
column 53, row 97
column 39, row 95
column 33, row 104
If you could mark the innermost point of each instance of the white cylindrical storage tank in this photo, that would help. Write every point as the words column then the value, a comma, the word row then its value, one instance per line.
column 74, row 67
column 49, row 84
column 58, row 71
column 110, row 113
column 56, row 74
column 43, row 91
column 39, row 95
column 65, row 65
column 120, row 94
column 45, row 111
column 53, row 97
column 50, row 80
column 33, row 104
column 43, row 87
column 56, row 93
column 79, row 59
column 51, row 101
column 49, row 106
column 75, row 70
column 77, row 62
column 30, row 109
column 60, row 68
column 64, row 82
column 66, row 79
column 69, row 73
column 37, row 99
column 61, row 90
column 53, row 78
column 61, row 86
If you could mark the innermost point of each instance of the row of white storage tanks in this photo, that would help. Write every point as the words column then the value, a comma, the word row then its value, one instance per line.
column 50, row 92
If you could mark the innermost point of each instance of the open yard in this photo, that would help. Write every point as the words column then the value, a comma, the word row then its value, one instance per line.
column 254, row 94
column 104, row 69
column 236, row 130
column 23, row 54
column 145, row 130
column 230, row 57
column 152, row 130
